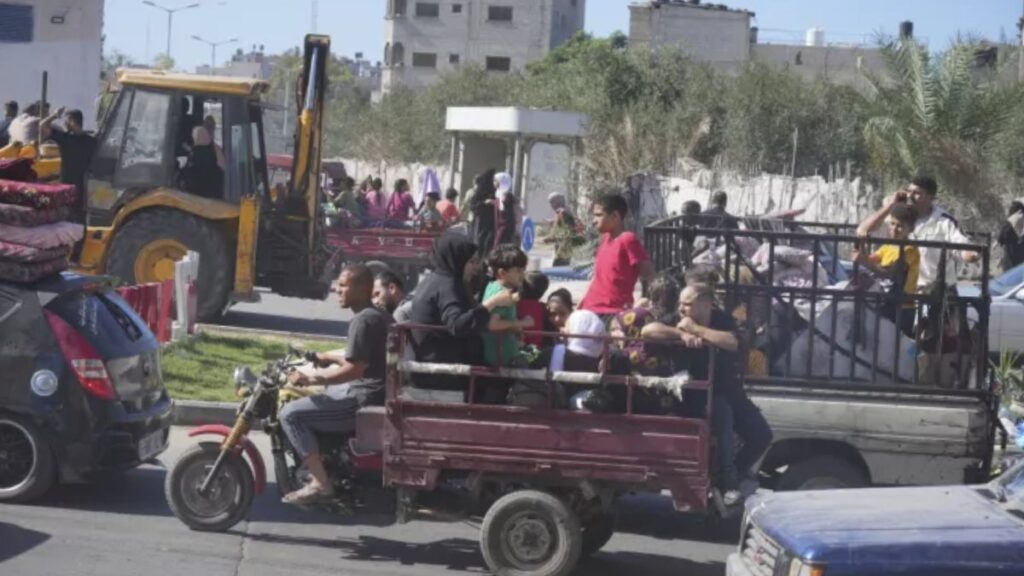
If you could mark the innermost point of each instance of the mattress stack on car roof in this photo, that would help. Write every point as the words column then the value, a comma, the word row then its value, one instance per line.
column 35, row 236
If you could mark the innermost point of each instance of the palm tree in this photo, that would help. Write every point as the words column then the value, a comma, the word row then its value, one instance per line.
column 943, row 115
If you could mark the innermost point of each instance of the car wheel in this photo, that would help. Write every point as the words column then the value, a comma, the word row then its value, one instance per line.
column 27, row 468
column 531, row 533
column 822, row 473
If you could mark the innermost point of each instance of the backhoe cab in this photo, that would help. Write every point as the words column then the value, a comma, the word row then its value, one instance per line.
column 155, row 192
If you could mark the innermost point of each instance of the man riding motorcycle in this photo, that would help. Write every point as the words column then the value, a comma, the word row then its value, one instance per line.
column 354, row 378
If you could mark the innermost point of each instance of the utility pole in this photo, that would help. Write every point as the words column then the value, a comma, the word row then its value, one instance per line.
column 213, row 48
column 170, row 18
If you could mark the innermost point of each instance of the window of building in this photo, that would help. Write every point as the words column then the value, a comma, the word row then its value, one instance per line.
column 424, row 60
column 428, row 10
column 799, row 60
column 16, row 23
column 499, row 64
column 398, row 54
column 456, row 8
column 387, row 54
column 454, row 59
column 397, row 8
column 499, row 13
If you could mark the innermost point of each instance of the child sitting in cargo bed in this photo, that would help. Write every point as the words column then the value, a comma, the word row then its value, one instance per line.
column 501, row 342
column 899, row 264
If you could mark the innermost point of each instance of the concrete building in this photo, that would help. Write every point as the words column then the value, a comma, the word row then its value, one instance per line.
column 61, row 37
column 426, row 39
column 711, row 33
column 725, row 38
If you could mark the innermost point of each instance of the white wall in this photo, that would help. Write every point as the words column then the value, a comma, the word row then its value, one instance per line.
column 70, row 52
column 839, row 64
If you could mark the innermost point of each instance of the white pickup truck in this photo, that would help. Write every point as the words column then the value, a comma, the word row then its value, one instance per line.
column 851, row 398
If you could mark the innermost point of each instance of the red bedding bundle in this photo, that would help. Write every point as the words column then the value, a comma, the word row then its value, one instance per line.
column 37, row 195
column 34, row 239
column 19, row 169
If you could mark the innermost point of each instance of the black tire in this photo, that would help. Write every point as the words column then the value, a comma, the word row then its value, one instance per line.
column 597, row 532
column 514, row 524
column 233, row 489
column 216, row 265
column 822, row 473
column 27, row 467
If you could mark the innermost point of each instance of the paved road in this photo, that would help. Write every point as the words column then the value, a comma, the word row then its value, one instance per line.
column 123, row 526
column 273, row 312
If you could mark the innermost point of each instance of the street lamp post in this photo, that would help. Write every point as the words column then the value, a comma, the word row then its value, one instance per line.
column 170, row 18
column 213, row 48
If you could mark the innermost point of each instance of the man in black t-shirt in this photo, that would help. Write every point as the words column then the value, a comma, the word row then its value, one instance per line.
column 702, row 326
column 354, row 377
column 76, row 150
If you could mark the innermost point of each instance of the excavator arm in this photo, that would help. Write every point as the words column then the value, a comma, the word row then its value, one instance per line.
column 309, row 136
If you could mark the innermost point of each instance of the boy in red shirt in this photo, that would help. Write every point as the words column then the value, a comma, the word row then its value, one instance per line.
column 621, row 260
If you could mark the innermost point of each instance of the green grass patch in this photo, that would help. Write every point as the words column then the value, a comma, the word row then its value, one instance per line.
column 202, row 368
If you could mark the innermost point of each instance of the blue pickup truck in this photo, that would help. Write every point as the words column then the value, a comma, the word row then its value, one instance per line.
column 933, row 531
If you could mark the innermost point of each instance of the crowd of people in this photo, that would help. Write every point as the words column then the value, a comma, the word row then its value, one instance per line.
column 490, row 311
column 491, row 212
column 370, row 205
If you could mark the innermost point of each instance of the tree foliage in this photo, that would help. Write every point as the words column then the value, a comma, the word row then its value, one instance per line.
column 929, row 113
column 163, row 62
column 941, row 115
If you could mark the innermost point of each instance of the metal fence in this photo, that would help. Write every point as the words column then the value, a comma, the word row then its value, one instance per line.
column 835, row 324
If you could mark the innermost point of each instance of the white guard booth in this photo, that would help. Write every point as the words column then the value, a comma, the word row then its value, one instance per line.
column 540, row 148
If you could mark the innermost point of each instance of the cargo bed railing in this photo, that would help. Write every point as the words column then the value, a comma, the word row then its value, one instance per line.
column 814, row 331
column 402, row 367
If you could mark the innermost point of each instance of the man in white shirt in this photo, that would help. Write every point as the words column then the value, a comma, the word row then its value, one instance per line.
column 941, row 332
column 934, row 224
column 25, row 126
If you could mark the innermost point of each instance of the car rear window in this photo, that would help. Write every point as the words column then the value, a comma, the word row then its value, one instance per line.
column 106, row 321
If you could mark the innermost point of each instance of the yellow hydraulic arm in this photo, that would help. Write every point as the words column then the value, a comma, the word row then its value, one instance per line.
column 309, row 131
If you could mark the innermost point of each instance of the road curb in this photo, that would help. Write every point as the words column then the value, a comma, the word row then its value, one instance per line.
column 197, row 412
column 251, row 332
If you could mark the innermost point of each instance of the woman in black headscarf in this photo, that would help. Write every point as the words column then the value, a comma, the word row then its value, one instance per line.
column 483, row 206
column 445, row 299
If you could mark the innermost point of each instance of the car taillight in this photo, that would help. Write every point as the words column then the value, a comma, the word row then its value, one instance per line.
column 82, row 357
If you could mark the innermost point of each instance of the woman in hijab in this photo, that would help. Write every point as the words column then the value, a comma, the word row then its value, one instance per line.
column 510, row 213
column 445, row 299
column 482, row 205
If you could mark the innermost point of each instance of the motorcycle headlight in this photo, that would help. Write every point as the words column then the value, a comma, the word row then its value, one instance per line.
column 798, row 568
column 244, row 378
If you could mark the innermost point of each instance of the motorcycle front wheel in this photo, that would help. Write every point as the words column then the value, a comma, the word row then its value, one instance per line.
column 228, row 499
